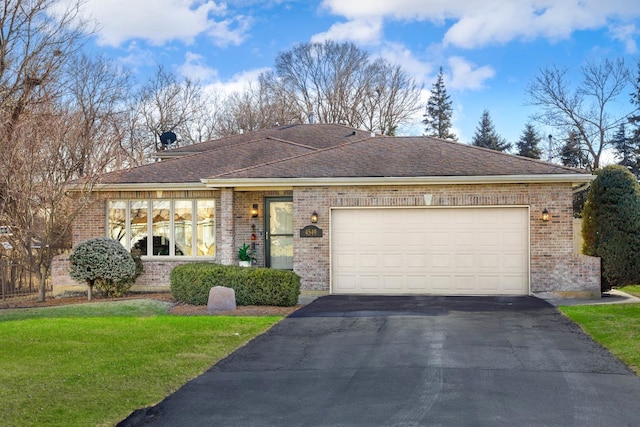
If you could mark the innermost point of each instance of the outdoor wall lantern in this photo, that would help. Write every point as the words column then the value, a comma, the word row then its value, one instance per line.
column 314, row 217
column 254, row 211
column 545, row 214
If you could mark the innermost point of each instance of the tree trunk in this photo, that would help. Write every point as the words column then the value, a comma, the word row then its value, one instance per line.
column 90, row 292
column 42, row 284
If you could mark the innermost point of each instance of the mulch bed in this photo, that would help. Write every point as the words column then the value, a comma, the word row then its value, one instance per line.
column 176, row 308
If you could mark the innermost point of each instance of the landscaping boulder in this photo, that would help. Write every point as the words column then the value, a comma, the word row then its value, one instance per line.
column 221, row 299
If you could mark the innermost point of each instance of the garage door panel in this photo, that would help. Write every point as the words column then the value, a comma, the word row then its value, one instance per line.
column 441, row 284
column 393, row 282
column 514, row 262
column 464, row 283
column 415, row 261
column 416, row 282
column 367, row 239
column 440, row 239
column 454, row 251
column 368, row 260
column 489, row 282
column 369, row 282
column 441, row 260
column 464, row 261
column 393, row 260
column 346, row 261
column 488, row 260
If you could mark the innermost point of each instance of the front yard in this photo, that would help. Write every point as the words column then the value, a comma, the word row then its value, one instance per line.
column 94, row 364
column 614, row 326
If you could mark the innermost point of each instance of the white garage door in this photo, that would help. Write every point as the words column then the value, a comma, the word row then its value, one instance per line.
column 441, row 251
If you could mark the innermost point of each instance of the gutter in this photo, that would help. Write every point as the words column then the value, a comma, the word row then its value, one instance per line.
column 378, row 181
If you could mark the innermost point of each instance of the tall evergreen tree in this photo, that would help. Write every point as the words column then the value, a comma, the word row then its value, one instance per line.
column 487, row 137
column 528, row 143
column 627, row 150
column 634, row 120
column 572, row 154
column 437, row 116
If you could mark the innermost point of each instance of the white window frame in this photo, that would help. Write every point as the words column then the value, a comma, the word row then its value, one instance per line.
column 171, row 237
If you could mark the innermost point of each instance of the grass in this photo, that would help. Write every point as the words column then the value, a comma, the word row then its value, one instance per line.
column 89, row 365
column 614, row 326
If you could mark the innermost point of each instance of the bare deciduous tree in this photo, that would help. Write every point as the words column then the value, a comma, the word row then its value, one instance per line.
column 391, row 99
column 259, row 106
column 585, row 109
column 167, row 104
column 57, row 118
column 341, row 84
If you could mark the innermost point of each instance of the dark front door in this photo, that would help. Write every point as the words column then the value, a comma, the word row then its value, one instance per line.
column 279, row 232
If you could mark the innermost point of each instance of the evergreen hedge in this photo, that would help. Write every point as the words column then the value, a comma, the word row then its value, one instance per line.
column 611, row 225
column 190, row 283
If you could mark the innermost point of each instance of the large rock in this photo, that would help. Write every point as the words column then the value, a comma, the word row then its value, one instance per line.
column 221, row 299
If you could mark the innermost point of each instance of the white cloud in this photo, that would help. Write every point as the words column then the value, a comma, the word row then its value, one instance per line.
column 477, row 23
column 195, row 69
column 238, row 82
column 230, row 31
column 161, row 21
column 466, row 75
column 360, row 31
column 398, row 54
column 626, row 34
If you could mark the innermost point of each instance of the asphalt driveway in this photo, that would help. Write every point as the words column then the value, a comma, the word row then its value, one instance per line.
column 411, row 361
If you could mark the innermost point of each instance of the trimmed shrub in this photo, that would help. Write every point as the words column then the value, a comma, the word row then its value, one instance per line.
column 611, row 225
column 104, row 264
column 190, row 283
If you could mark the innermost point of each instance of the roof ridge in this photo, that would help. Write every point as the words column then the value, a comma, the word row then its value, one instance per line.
column 273, row 162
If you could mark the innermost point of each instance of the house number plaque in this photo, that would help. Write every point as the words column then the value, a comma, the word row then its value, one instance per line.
column 311, row 231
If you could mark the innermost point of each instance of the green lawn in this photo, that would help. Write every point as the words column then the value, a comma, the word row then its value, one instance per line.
column 615, row 326
column 93, row 364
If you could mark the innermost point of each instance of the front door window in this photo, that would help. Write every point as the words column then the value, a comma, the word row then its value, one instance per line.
column 279, row 236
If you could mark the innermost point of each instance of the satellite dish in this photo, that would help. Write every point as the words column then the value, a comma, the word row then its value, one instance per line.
column 168, row 138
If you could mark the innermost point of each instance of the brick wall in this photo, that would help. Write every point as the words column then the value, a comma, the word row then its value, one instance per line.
column 554, row 268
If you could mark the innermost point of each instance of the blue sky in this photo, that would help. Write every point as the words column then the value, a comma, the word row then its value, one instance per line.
column 489, row 49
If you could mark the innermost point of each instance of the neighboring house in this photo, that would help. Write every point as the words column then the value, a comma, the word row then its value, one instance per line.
column 352, row 213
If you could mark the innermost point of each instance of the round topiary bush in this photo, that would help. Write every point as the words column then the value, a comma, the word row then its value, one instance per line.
column 611, row 225
column 105, row 264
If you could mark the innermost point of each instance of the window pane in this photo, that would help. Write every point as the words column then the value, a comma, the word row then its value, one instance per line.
column 138, row 226
column 281, row 217
column 282, row 252
column 206, row 227
column 161, row 226
column 118, row 221
column 183, row 226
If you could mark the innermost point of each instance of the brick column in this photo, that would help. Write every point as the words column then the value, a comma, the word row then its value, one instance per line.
column 226, row 245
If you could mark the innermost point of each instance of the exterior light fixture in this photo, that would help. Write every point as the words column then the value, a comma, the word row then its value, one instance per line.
column 254, row 211
column 314, row 217
column 545, row 214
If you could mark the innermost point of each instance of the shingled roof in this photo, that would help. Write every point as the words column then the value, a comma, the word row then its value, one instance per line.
column 331, row 152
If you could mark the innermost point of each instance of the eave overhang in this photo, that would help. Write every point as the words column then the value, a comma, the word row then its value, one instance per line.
column 381, row 181
column 249, row 184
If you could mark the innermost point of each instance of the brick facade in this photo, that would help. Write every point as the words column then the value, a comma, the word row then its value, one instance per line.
column 554, row 267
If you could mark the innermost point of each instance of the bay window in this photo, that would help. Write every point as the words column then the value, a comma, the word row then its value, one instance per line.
column 160, row 228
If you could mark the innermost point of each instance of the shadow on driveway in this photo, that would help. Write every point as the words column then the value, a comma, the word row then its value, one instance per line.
column 365, row 306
